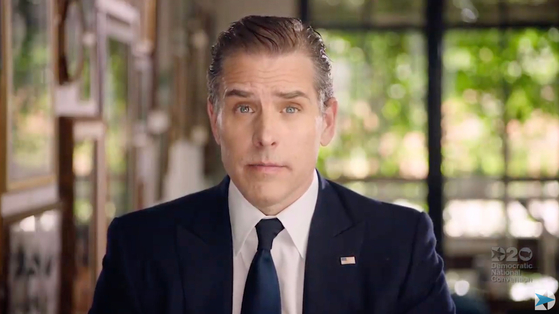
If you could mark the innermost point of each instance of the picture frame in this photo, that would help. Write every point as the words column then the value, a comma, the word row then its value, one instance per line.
column 82, row 190
column 71, row 30
column 32, row 260
column 119, row 48
column 77, row 94
column 28, row 128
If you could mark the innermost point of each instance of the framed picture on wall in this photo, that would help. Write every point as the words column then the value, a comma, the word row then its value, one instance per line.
column 82, row 191
column 118, row 25
column 77, row 94
column 32, row 261
column 27, row 120
column 70, row 41
column 88, row 81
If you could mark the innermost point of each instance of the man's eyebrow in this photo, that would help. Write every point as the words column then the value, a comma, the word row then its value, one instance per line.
column 291, row 94
column 238, row 93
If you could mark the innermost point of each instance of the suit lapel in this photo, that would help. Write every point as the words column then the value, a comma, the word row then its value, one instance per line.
column 205, row 249
column 330, row 286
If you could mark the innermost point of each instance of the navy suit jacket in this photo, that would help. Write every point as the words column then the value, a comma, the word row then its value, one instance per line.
column 177, row 258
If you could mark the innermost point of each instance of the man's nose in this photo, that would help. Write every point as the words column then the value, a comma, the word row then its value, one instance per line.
column 265, row 133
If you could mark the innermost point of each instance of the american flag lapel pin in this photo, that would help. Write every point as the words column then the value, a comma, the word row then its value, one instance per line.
column 347, row 260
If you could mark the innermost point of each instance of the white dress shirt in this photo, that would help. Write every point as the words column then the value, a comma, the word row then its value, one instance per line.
column 288, row 249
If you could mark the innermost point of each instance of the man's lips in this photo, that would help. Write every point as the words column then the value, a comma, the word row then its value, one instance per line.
column 269, row 168
column 265, row 164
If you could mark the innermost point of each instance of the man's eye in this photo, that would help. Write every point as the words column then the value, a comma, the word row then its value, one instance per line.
column 244, row 108
column 291, row 109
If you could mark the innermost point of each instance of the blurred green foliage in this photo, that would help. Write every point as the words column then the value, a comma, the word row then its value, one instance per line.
column 31, row 99
column 380, row 81
column 493, row 81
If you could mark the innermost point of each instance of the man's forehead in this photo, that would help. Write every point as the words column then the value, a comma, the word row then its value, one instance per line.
column 264, row 63
column 247, row 88
column 248, row 75
column 281, row 92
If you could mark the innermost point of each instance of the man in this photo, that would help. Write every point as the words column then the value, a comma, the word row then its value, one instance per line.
column 274, row 236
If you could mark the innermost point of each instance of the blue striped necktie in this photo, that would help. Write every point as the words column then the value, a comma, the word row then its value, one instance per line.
column 262, row 291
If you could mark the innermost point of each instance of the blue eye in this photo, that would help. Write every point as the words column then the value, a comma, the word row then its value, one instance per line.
column 292, row 110
column 244, row 108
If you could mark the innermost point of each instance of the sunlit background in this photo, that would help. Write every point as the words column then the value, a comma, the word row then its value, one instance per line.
column 499, row 63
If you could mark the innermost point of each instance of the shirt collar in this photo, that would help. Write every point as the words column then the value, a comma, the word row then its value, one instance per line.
column 296, row 218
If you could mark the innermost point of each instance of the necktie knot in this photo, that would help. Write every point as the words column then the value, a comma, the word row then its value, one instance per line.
column 267, row 230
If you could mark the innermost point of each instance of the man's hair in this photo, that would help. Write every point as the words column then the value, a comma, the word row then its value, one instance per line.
column 275, row 36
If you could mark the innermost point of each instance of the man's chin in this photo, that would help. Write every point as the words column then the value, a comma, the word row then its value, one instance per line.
column 265, row 199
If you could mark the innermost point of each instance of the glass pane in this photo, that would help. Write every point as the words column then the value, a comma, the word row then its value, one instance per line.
column 533, row 11
column 73, row 32
column 31, row 115
column 472, row 105
column 337, row 11
column 531, row 69
column 491, row 13
column 547, row 212
column 117, row 139
column 533, row 189
column 88, row 40
column 535, row 208
column 398, row 12
column 89, row 14
column 145, row 89
column 379, row 81
column 410, row 194
column 84, row 205
column 521, row 222
column 33, row 270
column 85, row 80
column 474, row 188
column 474, row 218
column 472, row 11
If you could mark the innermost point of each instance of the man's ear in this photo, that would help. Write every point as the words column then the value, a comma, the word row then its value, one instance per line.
column 329, row 121
column 213, row 115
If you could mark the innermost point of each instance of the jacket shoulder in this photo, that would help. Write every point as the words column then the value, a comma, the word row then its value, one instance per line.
column 162, row 217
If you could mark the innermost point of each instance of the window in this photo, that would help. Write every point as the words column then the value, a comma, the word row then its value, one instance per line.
column 501, row 131
column 380, row 148
column 499, row 122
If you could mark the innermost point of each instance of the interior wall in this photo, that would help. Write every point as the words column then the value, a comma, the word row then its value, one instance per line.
column 229, row 11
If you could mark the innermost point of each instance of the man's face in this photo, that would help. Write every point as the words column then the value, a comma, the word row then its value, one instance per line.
column 271, row 127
